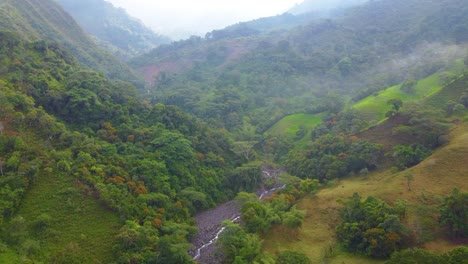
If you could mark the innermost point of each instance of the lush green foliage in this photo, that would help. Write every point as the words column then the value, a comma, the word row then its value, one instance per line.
column 408, row 86
column 152, row 165
column 291, row 257
column 241, row 247
column 333, row 156
column 408, row 156
column 243, row 75
column 396, row 105
column 241, row 244
column 371, row 227
column 454, row 213
column 68, row 132
column 258, row 217
column 37, row 20
column 414, row 256
column 375, row 106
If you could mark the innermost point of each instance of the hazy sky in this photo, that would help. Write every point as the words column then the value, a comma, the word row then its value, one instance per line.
column 182, row 18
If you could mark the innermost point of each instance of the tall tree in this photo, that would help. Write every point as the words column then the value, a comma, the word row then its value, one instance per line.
column 454, row 213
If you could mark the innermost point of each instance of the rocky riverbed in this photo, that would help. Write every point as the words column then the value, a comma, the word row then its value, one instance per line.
column 209, row 225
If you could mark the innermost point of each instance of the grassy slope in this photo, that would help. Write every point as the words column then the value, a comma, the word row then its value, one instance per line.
column 375, row 107
column 9, row 257
column 77, row 219
column 289, row 125
column 433, row 178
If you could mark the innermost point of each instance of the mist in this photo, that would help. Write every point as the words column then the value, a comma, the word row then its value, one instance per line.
column 180, row 19
column 425, row 60
column 323, row 5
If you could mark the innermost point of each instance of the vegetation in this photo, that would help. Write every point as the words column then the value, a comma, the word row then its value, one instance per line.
column 242, row 243
column 371, row 227
column 408, row 156
column 36, row 20
column 454, row 213
column 89, row 172
column 150, row 165
column 333, row 156
column 458, row 255
column 245, row 74
column 432, row 180
column 291, row 257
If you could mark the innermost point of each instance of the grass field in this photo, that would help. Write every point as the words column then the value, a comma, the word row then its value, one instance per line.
column 375, row 107
column 9, row 256
column 433, row 178
column 372, row 107
column 289, row 125
column 79, row 223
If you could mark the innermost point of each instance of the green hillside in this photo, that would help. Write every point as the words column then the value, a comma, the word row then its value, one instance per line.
column 296, row 126
column 432, row 179
column 37, row 20
column 90, row 174
column 245, row 72
column 375, row 106
column 76, row 225
column 125, row 36
column 283, row 123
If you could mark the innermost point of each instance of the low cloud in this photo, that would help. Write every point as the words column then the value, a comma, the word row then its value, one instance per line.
column 182, row 18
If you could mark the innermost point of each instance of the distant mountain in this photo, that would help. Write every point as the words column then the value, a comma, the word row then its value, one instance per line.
column 35, row 20
column 323, row 6
column 113, row 28
column 248, row 70
column 262, row 25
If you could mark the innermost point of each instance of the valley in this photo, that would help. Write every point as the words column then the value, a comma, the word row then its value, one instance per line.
column 314, row 136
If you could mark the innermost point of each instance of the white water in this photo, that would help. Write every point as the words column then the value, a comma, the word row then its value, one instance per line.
column 271, row 190
column 234, row 219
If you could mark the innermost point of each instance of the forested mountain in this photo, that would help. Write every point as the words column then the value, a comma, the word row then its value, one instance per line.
column 263, row 75
column 94, row 170
column 45, row 19
column 151, row 165
column 113, row 28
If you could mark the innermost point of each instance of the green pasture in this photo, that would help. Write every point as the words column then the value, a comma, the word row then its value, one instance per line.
column 375, row 106
column 290, row 125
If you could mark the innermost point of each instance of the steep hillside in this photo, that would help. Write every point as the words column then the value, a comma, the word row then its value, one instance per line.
column 90, row 174
column 45, row 19
column 433, row 179
column 244, row 74
column 422, row 187
column 113, row 28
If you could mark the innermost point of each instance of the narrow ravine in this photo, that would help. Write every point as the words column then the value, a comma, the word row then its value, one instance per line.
column 209, row 223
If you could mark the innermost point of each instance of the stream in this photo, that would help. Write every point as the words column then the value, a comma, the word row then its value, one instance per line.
column 209, row 223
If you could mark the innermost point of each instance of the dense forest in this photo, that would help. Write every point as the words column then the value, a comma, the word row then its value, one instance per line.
column 356, row 123
column 45, row 20
column 153, row 165
column 247, row 74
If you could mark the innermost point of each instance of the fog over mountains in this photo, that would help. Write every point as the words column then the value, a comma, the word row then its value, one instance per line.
column 323, row 5
column 180, row 19
column 113, row 28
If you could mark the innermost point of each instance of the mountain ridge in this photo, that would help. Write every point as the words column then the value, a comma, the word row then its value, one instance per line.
column 113, row 27
column 375, row 45
column 46, row 20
